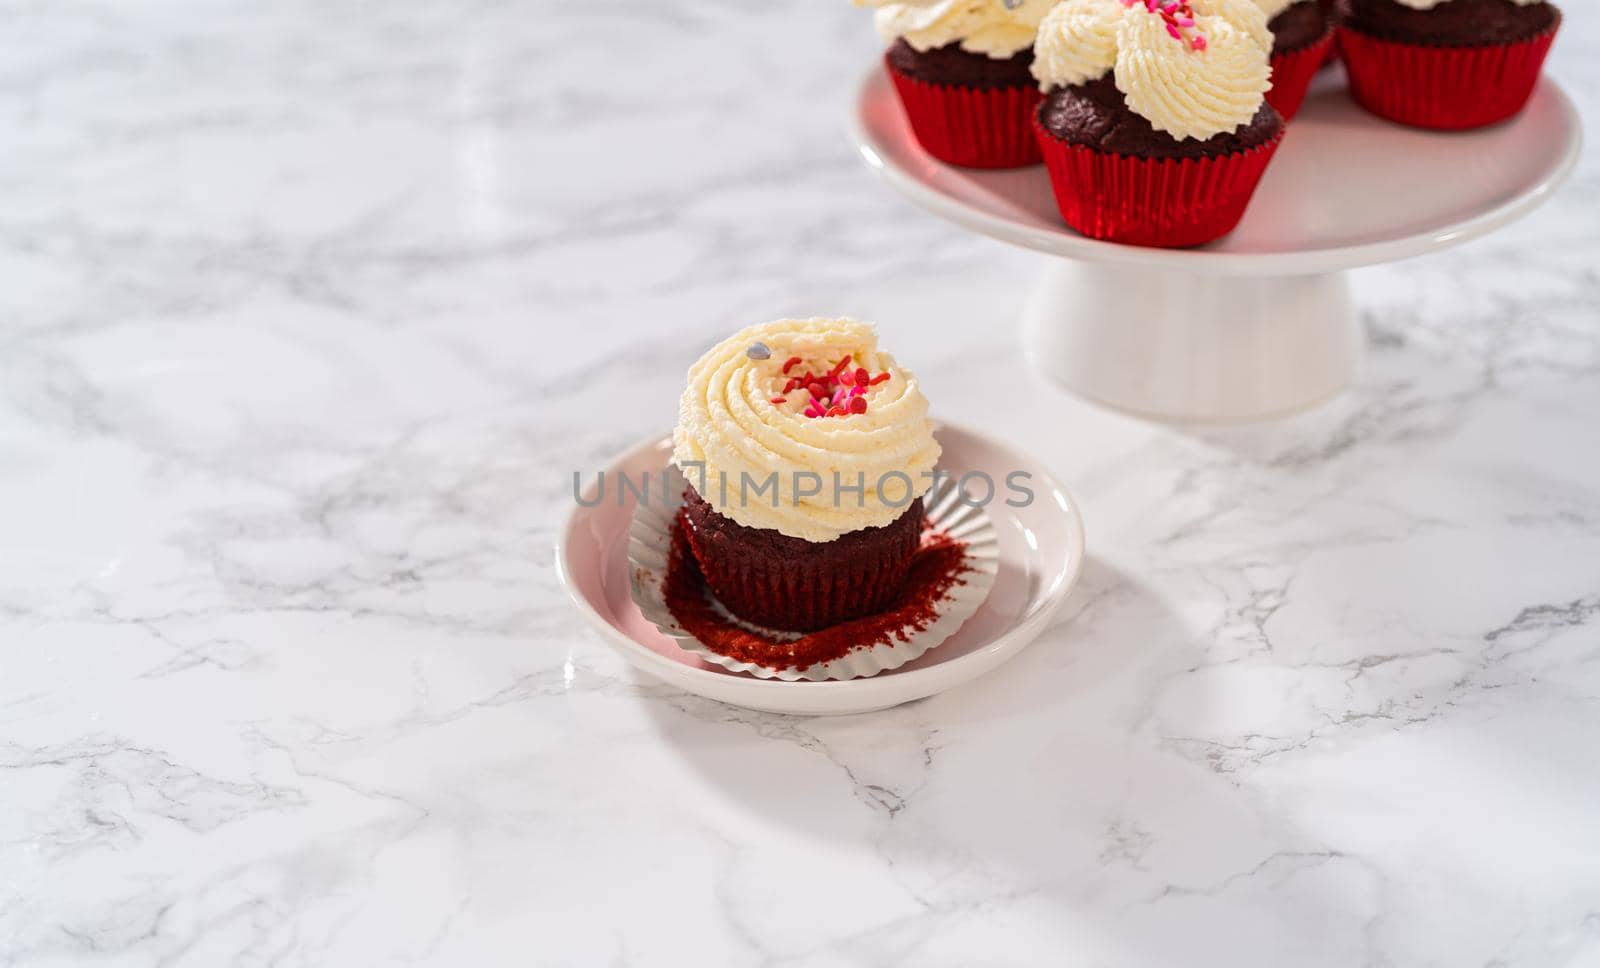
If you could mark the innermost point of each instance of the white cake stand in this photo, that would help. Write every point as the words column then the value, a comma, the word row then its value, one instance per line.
column 1260, row 323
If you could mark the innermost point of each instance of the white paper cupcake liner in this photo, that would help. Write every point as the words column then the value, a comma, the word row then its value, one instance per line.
column 650, row 542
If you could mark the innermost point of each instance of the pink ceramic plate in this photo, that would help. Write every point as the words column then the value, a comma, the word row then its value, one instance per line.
column 1040, row 549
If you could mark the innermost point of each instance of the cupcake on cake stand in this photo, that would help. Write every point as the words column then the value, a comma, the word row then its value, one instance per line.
column 1262, row 322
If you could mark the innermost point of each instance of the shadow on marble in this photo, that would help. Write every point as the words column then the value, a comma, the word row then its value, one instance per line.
column 1081, row 776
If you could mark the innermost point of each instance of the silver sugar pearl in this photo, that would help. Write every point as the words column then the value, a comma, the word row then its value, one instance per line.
column 758, row 351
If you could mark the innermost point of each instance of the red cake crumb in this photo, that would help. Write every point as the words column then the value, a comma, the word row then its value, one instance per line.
column 935, row 567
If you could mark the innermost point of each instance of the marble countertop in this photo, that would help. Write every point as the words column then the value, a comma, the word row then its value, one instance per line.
column 310, row 311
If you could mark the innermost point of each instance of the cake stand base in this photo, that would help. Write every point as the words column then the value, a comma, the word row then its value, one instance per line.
column 1192, row 346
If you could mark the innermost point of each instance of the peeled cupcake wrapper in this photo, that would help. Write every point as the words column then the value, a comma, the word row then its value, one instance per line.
column 1293, row 71
column 805, row 594
column 1164, row 202
column 650, row 544
column 1448, row 88
column 970, row 126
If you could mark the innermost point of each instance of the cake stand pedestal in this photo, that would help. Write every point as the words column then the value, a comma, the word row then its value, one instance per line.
column 1260, row 323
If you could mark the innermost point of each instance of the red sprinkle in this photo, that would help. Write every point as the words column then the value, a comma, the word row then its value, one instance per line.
column 779, row 400
column 834, row 392
column 936, row 567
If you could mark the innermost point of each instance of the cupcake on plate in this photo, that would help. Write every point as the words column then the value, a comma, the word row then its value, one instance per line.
column 1448, row 64
column 1302, row 37
column 807, row 451
column 961, row 70
column 1155, row 128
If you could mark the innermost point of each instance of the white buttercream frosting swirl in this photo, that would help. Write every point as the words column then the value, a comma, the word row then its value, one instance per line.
column 997, row 28
column 730, row 428
column 1207, row 80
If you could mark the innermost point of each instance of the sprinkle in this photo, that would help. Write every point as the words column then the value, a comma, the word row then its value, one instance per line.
column 793, row 362
column 1177, row 17
column 758, row 351
column 838, row 391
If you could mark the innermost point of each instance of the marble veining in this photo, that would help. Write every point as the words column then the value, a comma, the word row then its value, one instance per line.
column 310, row 310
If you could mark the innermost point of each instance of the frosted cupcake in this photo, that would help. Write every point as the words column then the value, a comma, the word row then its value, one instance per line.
column 961, row 70
column 1302, row 36
column 807, row 451
column 1447, row 64
column 1156, row 129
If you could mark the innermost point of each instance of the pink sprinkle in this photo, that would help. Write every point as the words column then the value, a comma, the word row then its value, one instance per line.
column 1174, row 32
column 1198, row 43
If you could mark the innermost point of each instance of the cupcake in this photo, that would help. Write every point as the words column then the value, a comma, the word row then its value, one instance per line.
column 1448, row 64
column 1302, row 37
column 1155, row 128
column 961, row 70
column 807, row 452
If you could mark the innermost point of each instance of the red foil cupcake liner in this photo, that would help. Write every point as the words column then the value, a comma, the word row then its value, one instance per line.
column 969, row 126
column 804, row 593
column 1448, row 88
column 1165, row 202
column 1293, row 71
